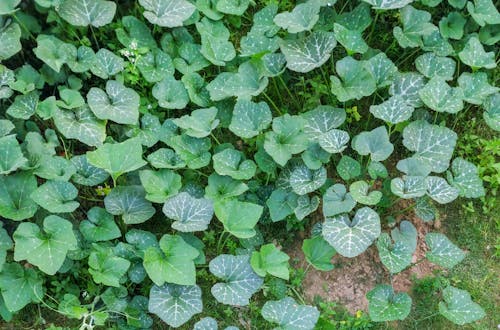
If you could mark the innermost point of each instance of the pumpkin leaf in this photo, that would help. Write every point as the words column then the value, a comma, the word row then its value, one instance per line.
column 458, row 306
column 290, row 315
column 189, row 213
column 386, row 305
column 129, row 202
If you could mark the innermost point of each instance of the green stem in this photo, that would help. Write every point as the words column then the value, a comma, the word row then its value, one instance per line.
column 288, row 91
column 24, row 27
column 272, row 103
column 95, row 38
column 219, row 242
column 217, row 141
column 377, row 13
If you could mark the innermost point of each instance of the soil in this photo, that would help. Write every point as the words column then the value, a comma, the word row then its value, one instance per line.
column 350, row 280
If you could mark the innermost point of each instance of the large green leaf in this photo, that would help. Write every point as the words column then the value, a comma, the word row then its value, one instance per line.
column 318, row 253
column 129, row 202
column 352, row 237
column 442, row 251
column 474, row 55
column 458, row 306
column 270, row 260
column 397, row 255
column 439, row 190
column 5, row 245
column 416, row 24
column 171, row 262
column 106, row 64
column 393, row 111
column 289, row 315
column 304, row 180
column 281, row 204
column 20, row 286
column 24, row 106
column 160, row 185
column 484, row 12
column 155, row 66
column 46, row 250
column 10, row 39
column 80, row 124
column 491, row 112
column 286, row 139
column 99, row 226
column 440, row 97
column 464, row 176
column 308, row 53
column 15, row 191
column 322, row 119
column 250, row 118
column 407, row 85
column 56, row 196
column 238, row 218
column 54, row 52
column 171, row 93
column 118, row 158
column 231, row 162
column 87, row 12
column 215, row 43
column 199, row 123
column 175, row 304
column 354, row 81
column 86, row 174
column 193, row 151
column 232, row 7
column 189, row 213
column 167, row 13
column 433, row 145
column 386, row 305
column 118, row 103
column 11, row 156
column 105, row 267
column 240, row 281
column 374, row 143
column 222, row 187
column 431, row 65
column 302, row 18
column 352, row 40
column 475, row 87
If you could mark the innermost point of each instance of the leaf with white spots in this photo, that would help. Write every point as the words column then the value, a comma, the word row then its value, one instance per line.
column 11, row 156
column 431, row 65
column 87, row 12
column 351, row 40
column 129, row 202
column 303, row 17
column 304, row 180
column 386, row 305
column 407, row 85
column 484, row 12
column 458, row 306
column 393, row 111
column 440, row 97
column 10, row 39
column 334, row 141
column 440, row 191
column 337, row 200
column 189, row 213
column 250, row 118
column 56, row 196
column 382, row 69
column 106, row 64
column 289, row 315
column 354, row 80
column 232, row 162
column 465, row 177
column 87, row 174
column 240, row 281
column 45, row 250
column 474, row 55
column 409, row 186
column 322, row 119
column 15, row 201
column 388, row 4
column 175, row 304
column 475, row 87
column 396, row 253
column 360, row 191
column 80, row 124
column 167, row 13
column 442, row 251
column 199, row 123
column 352, row 237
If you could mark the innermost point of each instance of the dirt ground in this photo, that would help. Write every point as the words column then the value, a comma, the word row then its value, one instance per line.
column 352, row 278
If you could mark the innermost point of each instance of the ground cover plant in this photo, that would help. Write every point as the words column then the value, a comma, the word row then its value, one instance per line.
column 156, row 156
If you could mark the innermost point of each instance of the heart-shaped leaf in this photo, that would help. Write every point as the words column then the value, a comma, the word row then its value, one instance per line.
column 105, row 267
column 458, row 306
column 337, row 200
column 439, row 190
column 106, row 64
column 304, row 180
column 189, row 213
column 483, row 12
column 464, row 176
column 20, row 286
column 322, row 119
column 240, row 281
column 215, row 43
column 348, row 168
column 250, row 118
column 286, row 139
column 386, row 305
column 397, row 256
column 302, row 18
column 87, row 12
column 474, row 55
column 167, row 13
column 56, row 196
column 281, row 204
column 86, row 174
column 407, row 85
column 53, row 51
column 24, row 106
column 200, row 123
column 238, row 218
column 11, row 156
column 193, row 151
column 475, row 87
column 129, row 202
column 354, row 81
column 416, row 24
column 10, row 39
column 15, row 191
column 290, row 315
column 80, row 124
column 160, row 185
column 223, row 187
column 231, row 162
column 452, row 26
column 351, row 40
column 351, row 238
column 442, row 251
column 165, row 158
column 155, row 66
column 439, row 96
column 375, row 143
column 409, row 186
column 99, row 226
column 270, row 260
column 334, row 141
column 360, row 193
column 171, row 93
column 318, row 253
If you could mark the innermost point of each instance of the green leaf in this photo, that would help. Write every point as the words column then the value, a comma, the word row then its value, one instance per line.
column 106, row 64
column 281, row 204
column 358, row 19
column 302, row 18
column 223, row 187
column 386, row 305
column 80, row 124
column 56, row 196
column 393, row 111
column 232, row 7
column 8, row 7
column 351, row 238
column 11, row 156
column 397, row 256
column 135, row 31
column 105, row 267
column 475, row 87
column 318, row 253
column 165, row 158
column 442, row 251
column 334, row 141
column 5, row 245
column 189, row 213
column 355, row 80
column 425, row 210
column 491, row 112
column 440, row 97
column 348, row 168
column 308, row 53
column 86, row 174
column 171, row 93
column 250, row 118
column 474, row 55
column 286, row 139
column 160, row 185
column 46, row 250
column 240, row 281
column 167, row 13
column 360, row 193
column 87, row 12
column 452, row 26
column 238, row 218
column 458, row 306
column 55, row 168
column 155, row 66
column 304, row 180
column 24, row 106
column 290, row 315
column 193, row 151
column 439, row 190
column 337, row 200
column 270, row 260
column 53, row 52
column 306, row 206
column 416, row 24
column 409, row 186
column 10, row 39
column 129, row 202
column 118, row 158
column 175, row 304
column 374, row 143
column 99, row 226
column 82, row 60
column 199, row 123
column 20, row 286
column 322, row 119
column 231, row 162
column 388, row 4
column 171, row 262
column 15, row 201
column 196, row 88
column 206, row 323
column 119, row 103
column 431, row 65
column 465, row 177
column 407, row 85
column 351, row 40
column 483, row 12
column 433, row 145
column 215, row 43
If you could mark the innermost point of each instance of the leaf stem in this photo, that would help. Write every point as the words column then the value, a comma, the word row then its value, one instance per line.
column 272, row 103
column 95, row 38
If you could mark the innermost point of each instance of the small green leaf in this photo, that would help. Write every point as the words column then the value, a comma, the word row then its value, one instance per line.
column 290, row 315
column 360, row 193
column 416, row 24
column 354, row 81
column 10, row 39
column 129, row 202
column 165, row 158
column 223, row 187
column 452, row 26
column 304, row 180
column 105, row 267
column 337, row 200
column 193, row 151
column 56, row 196
column 106, row 64
column 232, row 7
column 474, row 55
column 189, row 213
column 458, row 306
column 442, row 251
column 99, row 226
column 171, row 93
column 302, row 18
column 386, row 305
column 24, row 106
column 15, row 191
column 199, row 123
column 281, row 204
column 215, row 43
column 439, row 190
column 374, row 143
column 318, row 253
column 155, row 66
column 53, row 52
column 407, row 85
column 86, row 174
column 270, row 260
column 348, row 168
column 398, row 255
column 250, row 118
column 238, row 218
